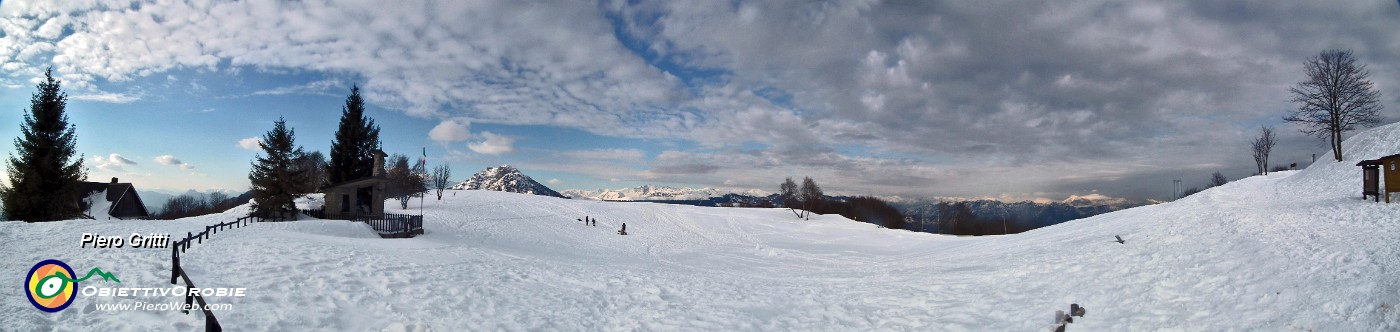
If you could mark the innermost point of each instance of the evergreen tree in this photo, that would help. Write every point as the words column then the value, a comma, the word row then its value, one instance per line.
column 356, row 137
column 275, row 177
column 45, row 179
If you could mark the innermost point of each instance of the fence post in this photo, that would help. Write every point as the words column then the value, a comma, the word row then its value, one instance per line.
column 189, row 296
column 174, row 262
column 186, row 246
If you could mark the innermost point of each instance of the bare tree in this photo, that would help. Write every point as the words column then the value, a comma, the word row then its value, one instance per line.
column 1336, row 97
column 1218, row 179
column 1262, row 145
column 441, row 174
column 787, row 194
column 313, row 166
column 811, row 196
column 404, row 181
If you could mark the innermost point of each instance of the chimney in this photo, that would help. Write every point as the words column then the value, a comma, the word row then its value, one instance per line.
column 378, row 163
column 114, row 180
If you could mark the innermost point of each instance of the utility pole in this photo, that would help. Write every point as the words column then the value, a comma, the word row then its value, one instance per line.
column 1176, row 188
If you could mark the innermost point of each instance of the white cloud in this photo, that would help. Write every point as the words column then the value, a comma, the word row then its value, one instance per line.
column 112, row 163
column 168, row 160
column 618, row 155
column 321, row 87
column 789, row 79
column 107, row 97
column 493, row 144
column 250, row 143
column 450, row 130
column 118, row 159
column 554, row 181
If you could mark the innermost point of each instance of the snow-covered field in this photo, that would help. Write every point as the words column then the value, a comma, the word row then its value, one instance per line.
column 1291, row 251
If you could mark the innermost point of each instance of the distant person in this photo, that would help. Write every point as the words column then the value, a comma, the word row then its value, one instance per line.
column 624, row 230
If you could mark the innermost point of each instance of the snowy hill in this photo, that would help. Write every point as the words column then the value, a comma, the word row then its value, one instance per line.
column 1290, row 251
column 507, row 179
column 654, row 193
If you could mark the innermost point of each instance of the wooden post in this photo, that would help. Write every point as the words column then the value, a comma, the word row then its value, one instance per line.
column 189, row 296
column 174, row 263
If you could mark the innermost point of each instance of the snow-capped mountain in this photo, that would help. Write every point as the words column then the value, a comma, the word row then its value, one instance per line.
column 507, row 179
column 653, row 193
column 1092, row 200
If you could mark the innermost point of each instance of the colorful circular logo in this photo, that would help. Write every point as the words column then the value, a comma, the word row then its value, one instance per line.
column 48, row 286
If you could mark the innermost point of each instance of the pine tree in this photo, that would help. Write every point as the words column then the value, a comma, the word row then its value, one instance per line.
column 45, row 179
column 356, row 137
column 275, row 177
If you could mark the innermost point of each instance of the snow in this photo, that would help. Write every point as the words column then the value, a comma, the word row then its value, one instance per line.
column 1295, row 250
column 98, row 206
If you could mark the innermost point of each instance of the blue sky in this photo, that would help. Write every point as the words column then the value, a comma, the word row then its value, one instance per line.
column 998, row 99
column 199, row 118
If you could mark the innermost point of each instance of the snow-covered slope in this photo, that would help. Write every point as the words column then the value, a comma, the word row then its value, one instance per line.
column 1283, row 252
column 507, row 179
column 1327, row 177
column 653, row 193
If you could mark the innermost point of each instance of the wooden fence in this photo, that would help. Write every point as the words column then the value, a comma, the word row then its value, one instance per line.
column 177, row 273
column 388, row 226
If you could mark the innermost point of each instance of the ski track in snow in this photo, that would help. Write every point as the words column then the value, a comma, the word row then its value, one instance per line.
column 1290, row 251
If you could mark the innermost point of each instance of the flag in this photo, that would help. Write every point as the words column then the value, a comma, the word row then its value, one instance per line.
column 423, row 162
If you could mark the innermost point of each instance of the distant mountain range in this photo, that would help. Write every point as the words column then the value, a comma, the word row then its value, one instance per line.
column 1020, row 215
column 656, row 193
column 505, row 178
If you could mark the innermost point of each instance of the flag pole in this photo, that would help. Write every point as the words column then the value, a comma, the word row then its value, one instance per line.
column 424, row 166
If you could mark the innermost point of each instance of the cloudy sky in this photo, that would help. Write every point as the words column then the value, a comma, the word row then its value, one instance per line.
column 1014, row 99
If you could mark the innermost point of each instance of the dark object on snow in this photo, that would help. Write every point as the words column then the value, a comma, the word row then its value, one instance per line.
column 1120, row 241
column 623, row 231
column 1060, row 328
column 1076, row 310
column 1387, row 167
